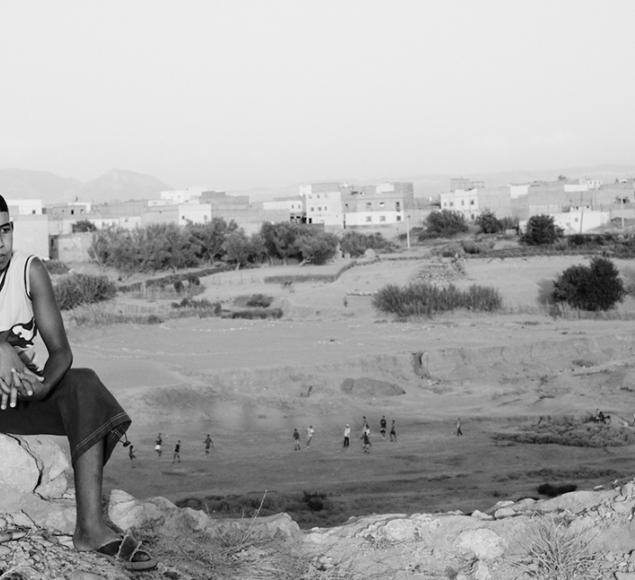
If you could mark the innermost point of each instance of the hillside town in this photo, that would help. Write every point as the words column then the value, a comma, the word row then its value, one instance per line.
column 577, row 206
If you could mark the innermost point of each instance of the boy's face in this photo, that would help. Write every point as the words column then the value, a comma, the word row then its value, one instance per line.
column 6, row 239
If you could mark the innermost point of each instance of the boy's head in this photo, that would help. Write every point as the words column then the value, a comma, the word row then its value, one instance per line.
column 6, row 234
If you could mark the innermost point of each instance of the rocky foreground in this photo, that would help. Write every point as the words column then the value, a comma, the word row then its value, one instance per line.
column 586, row 534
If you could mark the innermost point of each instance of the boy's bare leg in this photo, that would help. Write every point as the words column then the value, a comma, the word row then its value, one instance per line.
column 91, row 530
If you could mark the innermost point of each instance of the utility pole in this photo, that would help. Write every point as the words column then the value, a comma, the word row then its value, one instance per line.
column 408, row 231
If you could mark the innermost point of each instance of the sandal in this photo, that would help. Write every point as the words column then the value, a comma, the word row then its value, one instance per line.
column 127, row 550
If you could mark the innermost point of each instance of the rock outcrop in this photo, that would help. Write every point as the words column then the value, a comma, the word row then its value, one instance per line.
column 593, row 530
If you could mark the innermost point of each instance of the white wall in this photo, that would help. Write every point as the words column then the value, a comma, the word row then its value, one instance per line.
column 31, row 235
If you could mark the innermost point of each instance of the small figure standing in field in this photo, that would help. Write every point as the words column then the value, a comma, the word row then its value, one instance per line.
column 345, row 302
column 459, row 431
column 131, row 454
column 176, row 456
column 382, row 426
column 393, row 431
column 347, row 435
column 296, row 439
column 209, row 443
column 309, row 435
column 366, row 442
column 158, row 442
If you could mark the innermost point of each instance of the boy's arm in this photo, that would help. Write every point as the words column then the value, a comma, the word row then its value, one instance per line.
column 51, row 327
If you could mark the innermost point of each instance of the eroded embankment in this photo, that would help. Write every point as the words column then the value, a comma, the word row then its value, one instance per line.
column 533, row 374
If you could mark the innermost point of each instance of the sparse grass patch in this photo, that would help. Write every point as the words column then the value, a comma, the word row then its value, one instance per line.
column 75, row 289
column 555, row 552
column 420, row 299
column 569, row 430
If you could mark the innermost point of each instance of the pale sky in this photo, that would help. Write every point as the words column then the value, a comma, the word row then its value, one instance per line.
column 247, row 93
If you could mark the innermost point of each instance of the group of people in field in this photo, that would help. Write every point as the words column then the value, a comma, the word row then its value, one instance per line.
column 208, row 443
column 365, row 436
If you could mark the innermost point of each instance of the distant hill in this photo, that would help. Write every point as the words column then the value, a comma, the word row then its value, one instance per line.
column 120, row 185
column 23, row 183
column 114, row 185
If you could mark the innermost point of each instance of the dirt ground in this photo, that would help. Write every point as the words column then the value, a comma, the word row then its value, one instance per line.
column 331, row 361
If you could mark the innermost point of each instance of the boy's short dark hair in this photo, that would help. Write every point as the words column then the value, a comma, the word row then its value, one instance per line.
column 3, row 204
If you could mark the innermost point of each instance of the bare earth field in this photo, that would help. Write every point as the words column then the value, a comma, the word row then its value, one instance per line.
column 249, row 383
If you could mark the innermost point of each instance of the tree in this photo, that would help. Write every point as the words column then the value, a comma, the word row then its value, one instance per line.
column 208, row 238
column 83, row 226
column 594, row 287
column 241, row 250
column 541, row 230
column 489, row 223
column 316, row 247
column 445, row 223
column 279, row 239
column 356, row 243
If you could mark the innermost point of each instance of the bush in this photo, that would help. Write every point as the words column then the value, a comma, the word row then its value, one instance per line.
column 55, row 267
column 75, row 289
column 489, row 223
column 445, row 223
column 541, row 230
column 595, row 287
column 355, row 243
column 259, row 300
column 420, row 299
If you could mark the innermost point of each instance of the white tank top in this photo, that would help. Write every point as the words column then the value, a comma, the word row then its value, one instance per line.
column 17, row 322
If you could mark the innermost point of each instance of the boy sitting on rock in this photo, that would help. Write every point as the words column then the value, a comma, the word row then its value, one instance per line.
column 56, row 399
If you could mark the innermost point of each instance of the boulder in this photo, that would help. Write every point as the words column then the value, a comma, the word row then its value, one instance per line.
column 18, row 469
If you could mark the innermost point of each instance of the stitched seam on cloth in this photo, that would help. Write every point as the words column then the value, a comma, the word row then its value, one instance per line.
column 105, row 428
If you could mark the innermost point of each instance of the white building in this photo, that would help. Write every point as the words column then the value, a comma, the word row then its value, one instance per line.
column 580, row 220
column 24, row 206
column 464, row 201
column 174, row 196
column 181, row 214
column 323, row 202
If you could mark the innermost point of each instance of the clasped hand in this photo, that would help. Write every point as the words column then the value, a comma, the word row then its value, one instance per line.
column 17, row 382
column 24, row 385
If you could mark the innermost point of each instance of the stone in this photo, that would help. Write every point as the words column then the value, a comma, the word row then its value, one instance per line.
column 476, row 514
column 55, row 469
column 18, row 468
column 505, row 512
column 483, row 543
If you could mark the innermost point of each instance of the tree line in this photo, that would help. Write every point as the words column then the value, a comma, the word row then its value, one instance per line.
column 159, row 247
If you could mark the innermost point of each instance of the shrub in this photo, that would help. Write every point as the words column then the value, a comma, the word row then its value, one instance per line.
column 445, row 223
column 489, row 223
column 83, row 226
column 75, row 289
column 595, row 287
column 259, row 300
column 355, row 243
column 541, row 230
column 425, row 299
column 55, row 267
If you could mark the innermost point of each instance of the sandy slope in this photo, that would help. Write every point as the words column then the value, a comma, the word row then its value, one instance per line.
column 246, row 382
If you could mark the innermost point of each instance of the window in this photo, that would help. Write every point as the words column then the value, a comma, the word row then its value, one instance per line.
column 369, row 204
column 471, row 202
column 369, row 219
column 312, row 209
column 451, row 204
column 398, row 218
column 398, row 205
column 462, row 202
column 381, row 204
column 382, row 218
